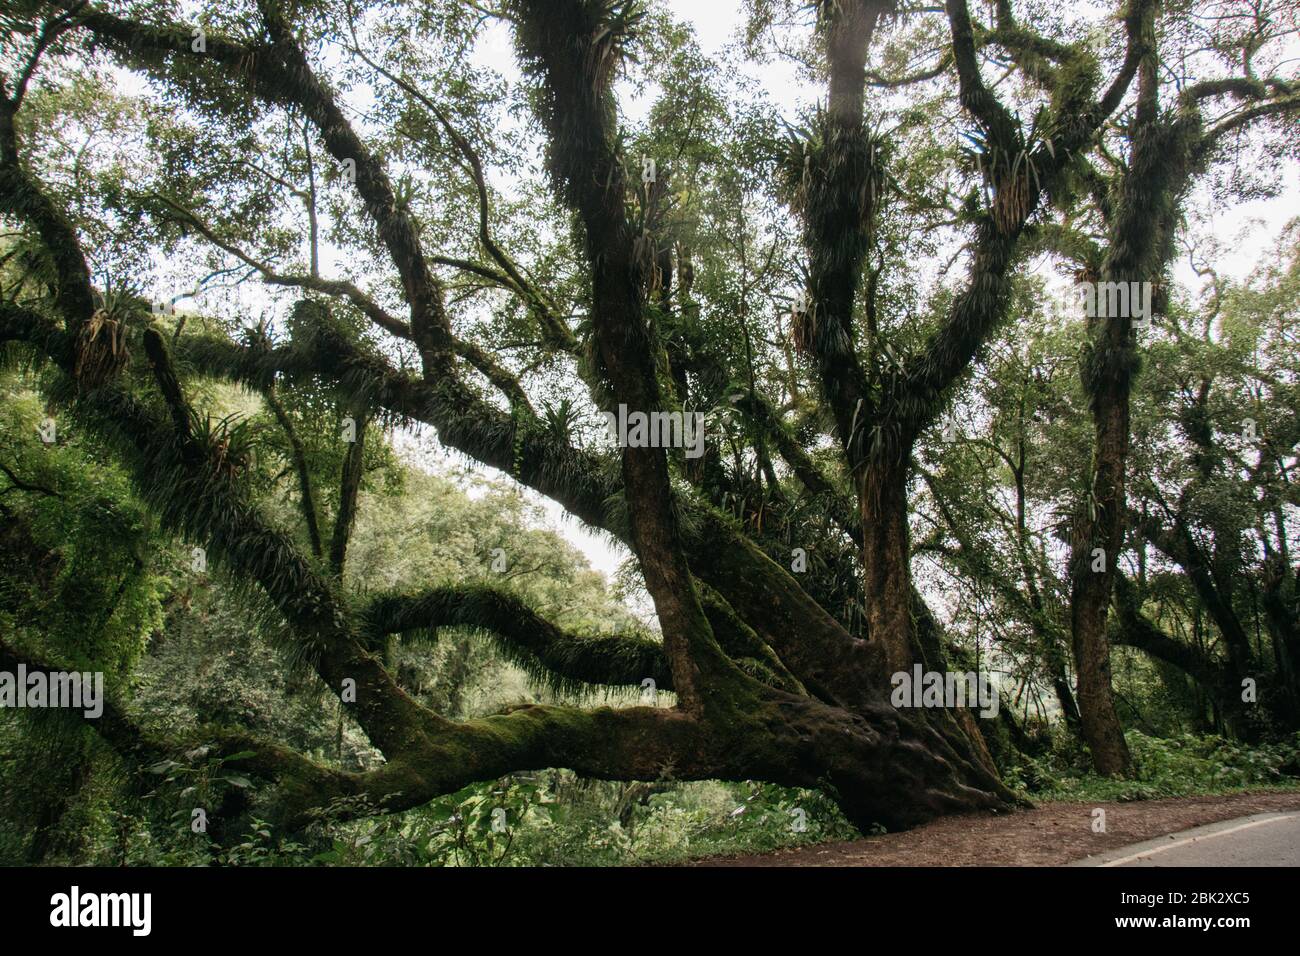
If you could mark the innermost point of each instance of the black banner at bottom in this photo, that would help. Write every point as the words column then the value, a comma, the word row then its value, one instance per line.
column 338, row 906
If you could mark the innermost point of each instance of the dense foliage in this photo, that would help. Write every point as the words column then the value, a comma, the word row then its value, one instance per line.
column 306, row 304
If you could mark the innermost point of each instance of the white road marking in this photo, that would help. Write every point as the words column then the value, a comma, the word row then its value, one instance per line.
column 1209, row 836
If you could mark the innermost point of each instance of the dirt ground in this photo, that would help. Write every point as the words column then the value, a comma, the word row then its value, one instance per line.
column 1049, row 835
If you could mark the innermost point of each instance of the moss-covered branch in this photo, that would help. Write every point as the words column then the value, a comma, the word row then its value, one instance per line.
column 561, row 659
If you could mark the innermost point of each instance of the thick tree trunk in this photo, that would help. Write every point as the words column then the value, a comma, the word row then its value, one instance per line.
column 1097, row 717
column 886, row 565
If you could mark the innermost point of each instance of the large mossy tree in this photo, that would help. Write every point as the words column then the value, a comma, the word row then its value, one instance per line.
column 504, row 305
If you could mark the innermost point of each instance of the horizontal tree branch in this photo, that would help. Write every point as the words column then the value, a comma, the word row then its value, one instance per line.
column 549, row 653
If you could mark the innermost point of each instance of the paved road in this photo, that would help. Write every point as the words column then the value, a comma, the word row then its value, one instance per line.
column 1265, row 839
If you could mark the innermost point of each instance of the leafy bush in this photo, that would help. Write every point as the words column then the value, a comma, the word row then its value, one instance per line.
column 556, row 819
column 1163, row 767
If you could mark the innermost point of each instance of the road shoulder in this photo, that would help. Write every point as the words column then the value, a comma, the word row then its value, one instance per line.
column 1152, row 852
column 1051, row 834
